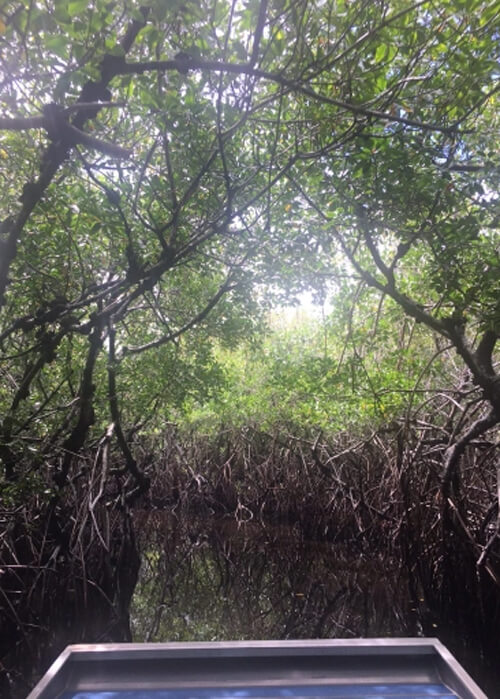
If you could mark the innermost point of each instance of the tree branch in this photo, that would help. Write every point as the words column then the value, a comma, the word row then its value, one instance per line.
column 86, row 416
column 386, row 271
column 189, row 63
column 257, row 36
column 55, row 156
column 21, row 123
column 454, row 452
column 484, row 351
column 227, row 286
column 131, row 465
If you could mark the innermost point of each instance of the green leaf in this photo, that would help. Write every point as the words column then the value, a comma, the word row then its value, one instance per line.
column 76, row 7
column 58, row 44
column 381, row 53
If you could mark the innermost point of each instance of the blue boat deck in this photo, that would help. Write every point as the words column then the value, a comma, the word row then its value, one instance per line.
column 363, row 691
column 326, row 669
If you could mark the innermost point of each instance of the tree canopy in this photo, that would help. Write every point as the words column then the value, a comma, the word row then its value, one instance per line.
column 171, row 170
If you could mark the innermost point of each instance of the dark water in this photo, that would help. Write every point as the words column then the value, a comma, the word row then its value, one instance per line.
column 219, row 580
column 227, row 580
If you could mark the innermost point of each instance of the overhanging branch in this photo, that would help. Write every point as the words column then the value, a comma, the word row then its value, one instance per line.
column 187, row 63
column 55, row 155
column 227, row 286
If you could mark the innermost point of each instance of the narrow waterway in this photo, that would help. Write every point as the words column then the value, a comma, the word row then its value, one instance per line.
column 220, row 579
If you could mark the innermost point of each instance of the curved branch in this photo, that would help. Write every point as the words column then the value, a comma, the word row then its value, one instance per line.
column 484, row 351
column 227, row 286
column 454, row 452
column 187, row 63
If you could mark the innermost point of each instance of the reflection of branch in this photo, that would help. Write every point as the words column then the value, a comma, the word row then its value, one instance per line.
column 496, row 533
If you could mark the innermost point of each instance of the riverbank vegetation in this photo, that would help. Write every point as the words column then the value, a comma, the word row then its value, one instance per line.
column 174, row 174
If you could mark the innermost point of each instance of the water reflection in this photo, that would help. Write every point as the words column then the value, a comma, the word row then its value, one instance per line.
column 220, row 580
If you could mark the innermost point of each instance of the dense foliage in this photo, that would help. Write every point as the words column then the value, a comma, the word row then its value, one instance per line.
column 348, row 369
column 169, row 169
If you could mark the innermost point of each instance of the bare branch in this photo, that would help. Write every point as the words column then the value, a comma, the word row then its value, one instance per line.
column 258, row 31
column 130, row 463
column 21, row 124
column 454, row 453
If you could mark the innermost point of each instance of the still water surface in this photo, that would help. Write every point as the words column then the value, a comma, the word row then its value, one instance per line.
column 220, row 579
